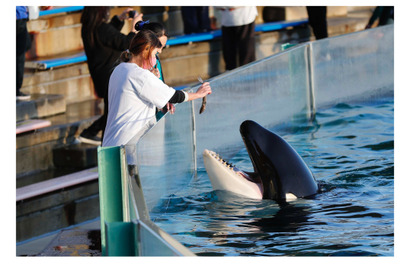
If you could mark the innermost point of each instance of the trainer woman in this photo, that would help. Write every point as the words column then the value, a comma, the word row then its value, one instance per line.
column 134, row 91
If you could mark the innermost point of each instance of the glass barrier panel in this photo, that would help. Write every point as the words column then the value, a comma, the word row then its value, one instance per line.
column 155, row 242
column 135, row 200
column 269, row 91
column 165, row 155
column 355, row 66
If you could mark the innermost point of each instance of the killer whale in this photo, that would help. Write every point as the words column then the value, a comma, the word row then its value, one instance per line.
column 280, row 174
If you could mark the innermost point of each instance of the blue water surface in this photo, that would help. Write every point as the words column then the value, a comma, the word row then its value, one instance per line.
column 349, row 148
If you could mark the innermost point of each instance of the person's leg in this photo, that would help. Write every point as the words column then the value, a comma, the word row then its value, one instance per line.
column 204, row 23
column 229, row 47
column 247, row 44
column 20, row 58
column 190, row 19
column 386, row 16
column 318, row 21
column 94, row 128
column 22, row 45
column 89, row 135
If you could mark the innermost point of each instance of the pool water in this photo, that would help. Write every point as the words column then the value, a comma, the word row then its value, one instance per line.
column 349, row 149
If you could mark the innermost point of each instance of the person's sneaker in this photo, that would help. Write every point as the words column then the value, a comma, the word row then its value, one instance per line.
column 22, row 96
column 90, row 139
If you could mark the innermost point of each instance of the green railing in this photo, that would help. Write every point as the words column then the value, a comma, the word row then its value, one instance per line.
column 126, row 228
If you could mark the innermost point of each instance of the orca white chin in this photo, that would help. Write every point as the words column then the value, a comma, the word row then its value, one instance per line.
column 224, row 176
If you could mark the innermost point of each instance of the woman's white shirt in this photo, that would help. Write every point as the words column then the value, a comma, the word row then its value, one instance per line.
column 133, row 94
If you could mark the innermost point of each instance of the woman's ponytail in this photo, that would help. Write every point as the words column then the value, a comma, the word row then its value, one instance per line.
column 126, row 56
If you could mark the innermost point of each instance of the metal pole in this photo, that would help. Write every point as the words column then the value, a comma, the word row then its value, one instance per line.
column 194, row 138
column 312, row 105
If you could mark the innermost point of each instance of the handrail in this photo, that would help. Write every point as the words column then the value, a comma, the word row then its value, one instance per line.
column 274, row 26
column 195, row 37
column 206, row 36
column 61, row 10
column 56, row 62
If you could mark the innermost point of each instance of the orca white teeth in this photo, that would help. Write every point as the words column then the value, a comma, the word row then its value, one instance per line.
column 222, row 161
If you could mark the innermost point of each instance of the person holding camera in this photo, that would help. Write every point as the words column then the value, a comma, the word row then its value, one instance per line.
column 103, row 44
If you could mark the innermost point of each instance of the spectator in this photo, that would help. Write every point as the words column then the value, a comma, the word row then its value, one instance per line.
column 384, row 14
column 103, row 44
column 196, row 19
column 238, row 35
column 318, row 22
column 134, row 91
column 23, row 44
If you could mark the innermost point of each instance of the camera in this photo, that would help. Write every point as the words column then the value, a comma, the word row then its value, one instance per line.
column 131, row 14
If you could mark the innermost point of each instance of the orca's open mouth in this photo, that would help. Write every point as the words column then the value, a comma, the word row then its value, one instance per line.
column 250, row 176
column 225, row 176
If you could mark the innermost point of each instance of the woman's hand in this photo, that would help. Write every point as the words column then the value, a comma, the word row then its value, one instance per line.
column 204, row 90
column 169, row 107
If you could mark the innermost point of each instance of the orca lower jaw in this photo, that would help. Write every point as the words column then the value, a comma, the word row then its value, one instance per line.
column 227, row 177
